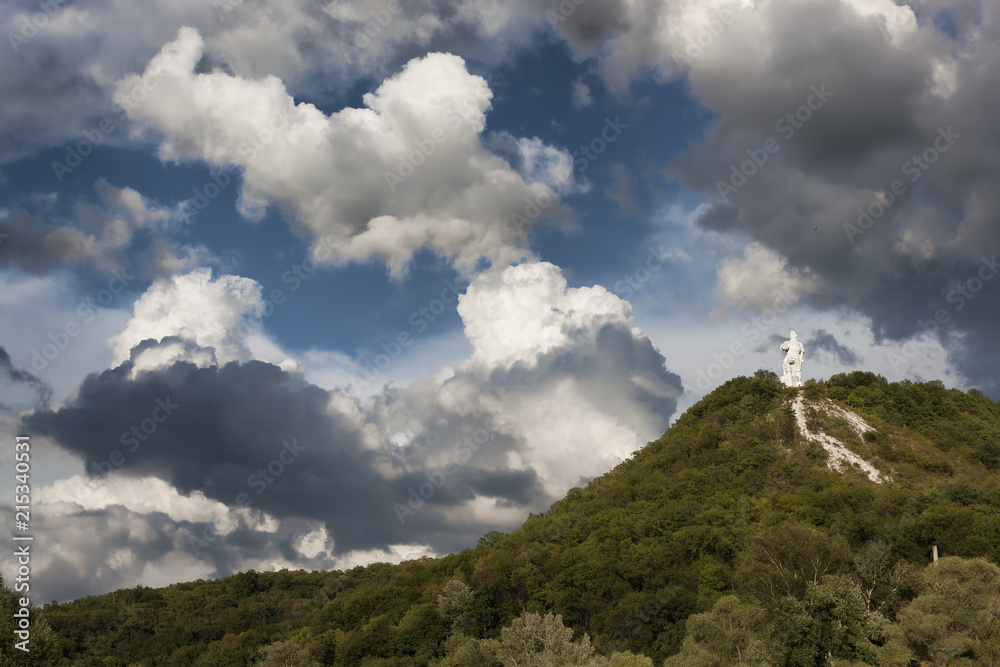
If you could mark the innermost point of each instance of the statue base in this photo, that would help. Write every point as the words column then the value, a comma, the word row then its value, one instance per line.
column 791, row 381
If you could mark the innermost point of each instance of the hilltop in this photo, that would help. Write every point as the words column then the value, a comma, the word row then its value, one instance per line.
column 768, row 525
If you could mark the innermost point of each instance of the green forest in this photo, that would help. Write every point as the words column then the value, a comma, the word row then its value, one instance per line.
column 726, row 541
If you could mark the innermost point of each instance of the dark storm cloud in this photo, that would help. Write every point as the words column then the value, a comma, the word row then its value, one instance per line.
column 906, row 111
column 186, row 346
column 257, row 430
column 227, row 423
column 825, row 341
column 17, row 376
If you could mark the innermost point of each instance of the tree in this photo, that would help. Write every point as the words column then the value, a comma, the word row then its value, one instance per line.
column 42, row 640
column 842, row 626
column 287, row 654
column 884, row 585
column 491, row 538
column 418, row 631
column 461, row 651
column 956, row 621
column 246, row 584
column 534, row 641
column 782, row 560
column 726, row 635
column 627, row 659
column 454, row 604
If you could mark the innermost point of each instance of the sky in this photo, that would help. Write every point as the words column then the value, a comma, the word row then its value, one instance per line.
column 311, row 285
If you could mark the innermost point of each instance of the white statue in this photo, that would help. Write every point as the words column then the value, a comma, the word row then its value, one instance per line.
column 792, row 368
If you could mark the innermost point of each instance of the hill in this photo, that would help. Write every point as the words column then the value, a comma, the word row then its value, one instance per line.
column 739, row 536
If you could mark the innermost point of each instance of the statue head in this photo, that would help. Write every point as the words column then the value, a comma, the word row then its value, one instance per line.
column 792, row 335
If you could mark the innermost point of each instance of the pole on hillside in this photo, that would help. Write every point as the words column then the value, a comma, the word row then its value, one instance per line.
column 934, row 552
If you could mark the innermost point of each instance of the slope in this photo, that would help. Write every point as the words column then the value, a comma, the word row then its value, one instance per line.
column 732, row 499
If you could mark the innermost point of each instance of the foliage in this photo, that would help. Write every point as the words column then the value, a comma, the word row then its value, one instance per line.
column 703, row 547
column 287, row 654
column 781, row 561
column 536, row 641
column 956, row 619
column 454, row 604
column 728, row 634
column 41, row 644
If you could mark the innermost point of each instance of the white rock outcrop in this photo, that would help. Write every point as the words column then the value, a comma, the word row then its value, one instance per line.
column 839, row 454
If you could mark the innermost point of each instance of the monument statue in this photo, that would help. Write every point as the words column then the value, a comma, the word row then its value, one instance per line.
column 792, row 367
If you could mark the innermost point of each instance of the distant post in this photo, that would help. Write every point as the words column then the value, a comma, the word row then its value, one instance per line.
column 934, row 552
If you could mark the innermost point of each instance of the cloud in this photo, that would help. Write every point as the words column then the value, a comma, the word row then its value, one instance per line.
column 293, row 450
column 66, row 61
column 196, row 317
column 903, row 106
column 825, row 341
column 540, row 163
column 523, row 312
column 124, row 532
column 558, row 374
column 559, row 388
column 410, row 167
column 10, row 380
column 98, row 234
column 67, row 64
column 759, row 277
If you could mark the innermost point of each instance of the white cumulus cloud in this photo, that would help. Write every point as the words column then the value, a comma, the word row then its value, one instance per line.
column 407, row 171
column 203, row 312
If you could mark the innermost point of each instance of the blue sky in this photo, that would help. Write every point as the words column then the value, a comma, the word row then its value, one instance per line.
column 565, row 338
